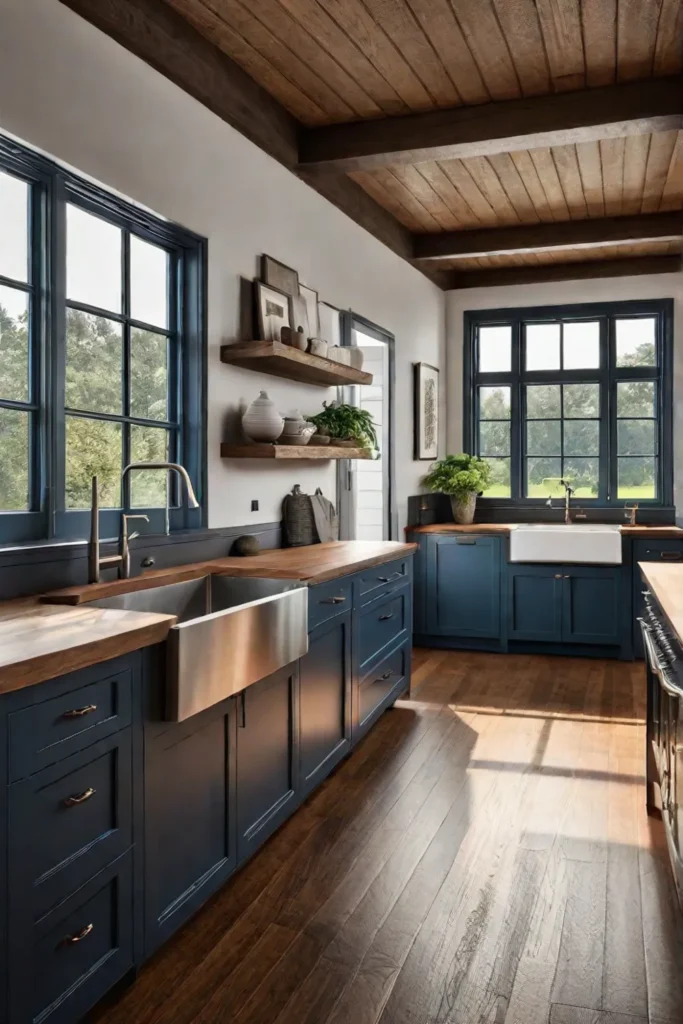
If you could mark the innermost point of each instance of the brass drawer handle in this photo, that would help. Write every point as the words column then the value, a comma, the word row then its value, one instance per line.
column 670, row 556
column 385, row 618
column 333, row 600
column 388, row 579
column 71, row 940
column 79, row 712
column 79, row 798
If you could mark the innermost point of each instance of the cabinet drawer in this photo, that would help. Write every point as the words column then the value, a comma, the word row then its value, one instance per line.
column 391, row 574
column 327, row 600
column 382, row 624
column 69, row 821
column 382, row 684
column 68, row 960
column 658, row 550
column 45, row 733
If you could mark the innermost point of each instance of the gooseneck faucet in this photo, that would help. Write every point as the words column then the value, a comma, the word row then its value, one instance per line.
column 568, row 491
column 122, row 559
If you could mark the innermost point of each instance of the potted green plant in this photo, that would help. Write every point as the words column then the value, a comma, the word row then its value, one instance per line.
column 462, row 478
column 346, row 423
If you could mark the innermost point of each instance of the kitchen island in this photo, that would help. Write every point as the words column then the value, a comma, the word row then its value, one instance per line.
column 119, row 823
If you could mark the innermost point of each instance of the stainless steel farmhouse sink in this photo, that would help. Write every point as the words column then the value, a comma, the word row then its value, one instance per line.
column 230, row 633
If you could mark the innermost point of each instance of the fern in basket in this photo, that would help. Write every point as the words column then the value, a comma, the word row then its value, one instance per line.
column 346, row 423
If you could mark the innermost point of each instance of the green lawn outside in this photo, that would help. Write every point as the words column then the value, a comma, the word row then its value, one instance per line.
column 539, row 491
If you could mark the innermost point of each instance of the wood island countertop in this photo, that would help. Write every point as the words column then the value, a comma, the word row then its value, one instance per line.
column 666, row 583
column 661, row 532
column 44, row 637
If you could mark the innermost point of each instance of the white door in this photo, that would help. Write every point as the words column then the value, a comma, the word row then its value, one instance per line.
column 365, row 512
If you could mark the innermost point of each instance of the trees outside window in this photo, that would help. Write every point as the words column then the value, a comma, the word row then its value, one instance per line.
column 101, row 352
column 580, row 394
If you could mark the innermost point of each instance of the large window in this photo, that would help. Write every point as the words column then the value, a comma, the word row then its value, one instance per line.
column 101, row 353
column 579, row 394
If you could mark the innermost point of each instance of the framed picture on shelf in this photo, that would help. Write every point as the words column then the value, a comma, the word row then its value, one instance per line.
column 272, row 311
column 311, row 297
column 279, row 276
column 330, row 323
column 298, row 315
column 426, row 415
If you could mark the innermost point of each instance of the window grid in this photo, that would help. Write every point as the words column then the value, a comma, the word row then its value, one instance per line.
column 181, row 425
column 608, row 376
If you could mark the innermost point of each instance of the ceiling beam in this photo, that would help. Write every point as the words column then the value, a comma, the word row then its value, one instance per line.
column 631, row 108
column 158, row 35
column 502, row 276
column 576, row 234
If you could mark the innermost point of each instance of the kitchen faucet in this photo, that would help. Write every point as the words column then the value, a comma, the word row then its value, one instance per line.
column 122, row 559
column 568, row 491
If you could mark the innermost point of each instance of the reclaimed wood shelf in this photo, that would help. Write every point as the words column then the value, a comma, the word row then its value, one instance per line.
column 284, row 361
column 291, row 451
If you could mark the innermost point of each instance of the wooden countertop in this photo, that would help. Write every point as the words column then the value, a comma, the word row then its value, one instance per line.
column 41, row 641
column 666, row 583
column 659, row 532
column 41, row 638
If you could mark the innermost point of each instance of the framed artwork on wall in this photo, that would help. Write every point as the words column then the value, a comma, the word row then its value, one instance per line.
column 426, row 415
column 311, row 297
column 272, row 309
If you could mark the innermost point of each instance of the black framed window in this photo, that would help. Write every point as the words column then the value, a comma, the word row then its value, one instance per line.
column 102, row 311
column 579, row 393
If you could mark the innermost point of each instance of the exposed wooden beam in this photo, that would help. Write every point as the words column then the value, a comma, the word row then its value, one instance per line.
column 158, row 35
column 577, row 234
column 632, row 108
column 565, row 272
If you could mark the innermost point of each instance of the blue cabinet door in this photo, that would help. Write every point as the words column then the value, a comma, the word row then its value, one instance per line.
column 266, row 760
column 325, row 701
column 592, row 604
column 189, row 823
column 463, row 586
column 535, row 602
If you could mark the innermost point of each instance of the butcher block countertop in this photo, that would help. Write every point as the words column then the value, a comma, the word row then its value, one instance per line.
column 654, row 532
column 42, row 637
column 666, row 583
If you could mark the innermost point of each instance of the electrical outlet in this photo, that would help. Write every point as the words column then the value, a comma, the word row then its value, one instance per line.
column 254, row 505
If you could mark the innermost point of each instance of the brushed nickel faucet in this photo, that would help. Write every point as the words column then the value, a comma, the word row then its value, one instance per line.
column 568, row 491
column 122, row 559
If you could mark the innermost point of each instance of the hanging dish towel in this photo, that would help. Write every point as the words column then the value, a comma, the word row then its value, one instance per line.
column 325, row 516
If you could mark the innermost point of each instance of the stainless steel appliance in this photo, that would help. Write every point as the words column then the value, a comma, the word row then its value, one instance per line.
column 230, row 633
column 664, row 659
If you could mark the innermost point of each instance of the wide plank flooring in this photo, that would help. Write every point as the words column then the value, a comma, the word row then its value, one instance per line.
column 484, row 857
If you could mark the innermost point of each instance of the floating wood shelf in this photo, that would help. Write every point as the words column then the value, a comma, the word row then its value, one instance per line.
column 291, row 451
column 284, row 361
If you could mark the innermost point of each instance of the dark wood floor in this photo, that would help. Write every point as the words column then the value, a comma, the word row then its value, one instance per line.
column 484, row 857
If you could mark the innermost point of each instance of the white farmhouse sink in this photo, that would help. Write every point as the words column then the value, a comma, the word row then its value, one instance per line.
column 574, row 542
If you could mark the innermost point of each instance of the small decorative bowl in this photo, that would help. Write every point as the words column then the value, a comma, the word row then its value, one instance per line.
column 319, row 439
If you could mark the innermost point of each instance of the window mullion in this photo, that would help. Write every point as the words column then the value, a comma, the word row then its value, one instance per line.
column 126, row 367
column 56, row 248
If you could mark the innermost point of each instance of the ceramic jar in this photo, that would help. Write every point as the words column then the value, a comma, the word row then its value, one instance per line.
column 262, row 422
column 296, row 430
column 356, row 356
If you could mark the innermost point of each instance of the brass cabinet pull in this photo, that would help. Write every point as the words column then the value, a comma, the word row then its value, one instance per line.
column 385, row 618
column 71, row 940
column 670, row 556
column 79, row 712
column 567, row 577
column 387, row 675
column 79, row 798
column 333, row 600
column 558, row 575
column 388, row 579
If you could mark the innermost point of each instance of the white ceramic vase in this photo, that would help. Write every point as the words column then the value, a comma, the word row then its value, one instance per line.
column 262, row 422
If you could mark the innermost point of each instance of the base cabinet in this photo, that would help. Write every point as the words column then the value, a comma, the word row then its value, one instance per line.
column 325, row 701
column 267, row 753
column 535, row 603
column 463, row 586
column 189, row 833
column 568, row 604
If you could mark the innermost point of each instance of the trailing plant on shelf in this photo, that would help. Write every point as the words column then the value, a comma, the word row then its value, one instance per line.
column 462, row 478
column 346, row 423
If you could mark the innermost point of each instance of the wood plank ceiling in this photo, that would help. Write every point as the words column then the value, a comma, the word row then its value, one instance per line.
column 332, row 62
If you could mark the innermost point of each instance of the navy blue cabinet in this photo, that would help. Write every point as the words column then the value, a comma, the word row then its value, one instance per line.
column 666, row 549
column 267, row 754
column 189, row 832
column 463, row 586
column 325, row 701
column 568, row 604
column 535, row 602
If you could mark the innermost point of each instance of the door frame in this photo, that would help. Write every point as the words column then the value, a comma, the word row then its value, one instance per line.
column 349, row 322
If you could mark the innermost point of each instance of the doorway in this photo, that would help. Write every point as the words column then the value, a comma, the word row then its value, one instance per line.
column 366, row 510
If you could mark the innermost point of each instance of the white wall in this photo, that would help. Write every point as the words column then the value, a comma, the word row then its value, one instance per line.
column 72, row 92
column 655, row 286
